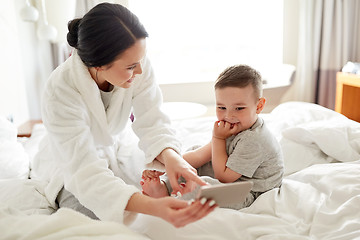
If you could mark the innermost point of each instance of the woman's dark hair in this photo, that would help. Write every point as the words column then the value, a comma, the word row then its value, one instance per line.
column 240, row 76
column 105, row 32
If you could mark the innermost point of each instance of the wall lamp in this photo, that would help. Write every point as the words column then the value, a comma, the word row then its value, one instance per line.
column 51, row 17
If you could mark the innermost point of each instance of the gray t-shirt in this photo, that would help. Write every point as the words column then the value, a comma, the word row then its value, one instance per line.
column 256, row 155
column 106, row 97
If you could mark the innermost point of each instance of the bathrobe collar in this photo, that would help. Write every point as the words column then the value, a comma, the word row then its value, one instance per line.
column 91, row 94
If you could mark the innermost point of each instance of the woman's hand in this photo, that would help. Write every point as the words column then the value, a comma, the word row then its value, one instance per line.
column 177, row 212
column 177, row 167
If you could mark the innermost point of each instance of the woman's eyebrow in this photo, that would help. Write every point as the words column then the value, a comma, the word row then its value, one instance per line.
column 132, row 64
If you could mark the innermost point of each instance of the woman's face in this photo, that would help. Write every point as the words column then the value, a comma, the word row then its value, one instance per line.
column 123, row 70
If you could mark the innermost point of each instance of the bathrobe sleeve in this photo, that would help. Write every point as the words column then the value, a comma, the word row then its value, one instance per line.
column 151, row 125
column 70, row 125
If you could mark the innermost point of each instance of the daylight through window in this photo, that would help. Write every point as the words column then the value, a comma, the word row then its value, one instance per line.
column 194, row 40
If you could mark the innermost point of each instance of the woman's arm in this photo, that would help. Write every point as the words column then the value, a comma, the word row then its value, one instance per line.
column 177, row 212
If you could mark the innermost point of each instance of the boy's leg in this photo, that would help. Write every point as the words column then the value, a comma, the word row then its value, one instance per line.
column 155, row 185
column 193, row 194
column 247, row 202
column 205, row 172
column 151, row 184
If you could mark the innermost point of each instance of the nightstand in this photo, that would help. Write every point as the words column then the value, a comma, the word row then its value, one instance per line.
column 25, row 129
column 348, row 95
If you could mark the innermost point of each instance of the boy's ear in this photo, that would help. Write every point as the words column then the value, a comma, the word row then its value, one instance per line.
column 261, row 105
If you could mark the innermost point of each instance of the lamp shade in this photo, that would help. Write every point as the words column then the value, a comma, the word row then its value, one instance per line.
column 29, row 13
column 47, row 32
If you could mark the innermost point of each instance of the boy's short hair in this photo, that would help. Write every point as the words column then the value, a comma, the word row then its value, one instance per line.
column 240, row 76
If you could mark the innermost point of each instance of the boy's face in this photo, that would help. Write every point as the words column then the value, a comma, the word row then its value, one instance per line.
column 238, row 106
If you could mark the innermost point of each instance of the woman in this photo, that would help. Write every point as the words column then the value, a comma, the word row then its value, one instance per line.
column 86, row 107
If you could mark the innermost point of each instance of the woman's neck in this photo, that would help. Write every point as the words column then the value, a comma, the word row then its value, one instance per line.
column 102, row 84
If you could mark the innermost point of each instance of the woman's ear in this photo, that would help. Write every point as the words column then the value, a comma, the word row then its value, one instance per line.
column 260, row 105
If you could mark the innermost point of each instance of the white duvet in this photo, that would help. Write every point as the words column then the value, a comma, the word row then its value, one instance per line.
column 65, row 224
column 319, row 198
column 319, row 202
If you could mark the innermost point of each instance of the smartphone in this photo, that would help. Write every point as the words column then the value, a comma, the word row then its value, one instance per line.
column 227, row 193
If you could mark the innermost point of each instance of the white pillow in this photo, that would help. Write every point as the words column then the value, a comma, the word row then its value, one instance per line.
column 8, row 130
column 14, row 161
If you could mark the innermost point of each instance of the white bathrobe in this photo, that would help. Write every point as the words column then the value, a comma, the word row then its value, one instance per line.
column 81, row 148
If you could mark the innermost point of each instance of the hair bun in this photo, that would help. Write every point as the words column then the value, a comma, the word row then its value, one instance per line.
column 72, row 36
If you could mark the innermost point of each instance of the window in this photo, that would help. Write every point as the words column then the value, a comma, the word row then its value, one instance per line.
column 194, row 40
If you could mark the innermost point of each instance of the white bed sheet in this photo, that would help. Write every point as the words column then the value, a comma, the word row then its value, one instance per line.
column 319, row 198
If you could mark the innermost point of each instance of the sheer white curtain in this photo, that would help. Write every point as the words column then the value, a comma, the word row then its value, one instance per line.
column 329, row 36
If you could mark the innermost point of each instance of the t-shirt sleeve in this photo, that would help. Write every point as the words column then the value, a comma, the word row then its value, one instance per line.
column 246, row 157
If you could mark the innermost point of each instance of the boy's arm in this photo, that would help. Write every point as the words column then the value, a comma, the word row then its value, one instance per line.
column 221, row 131
column 199, row 156
column 219, row 159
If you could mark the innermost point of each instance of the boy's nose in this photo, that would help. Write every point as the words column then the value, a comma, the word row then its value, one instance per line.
column 229, row 114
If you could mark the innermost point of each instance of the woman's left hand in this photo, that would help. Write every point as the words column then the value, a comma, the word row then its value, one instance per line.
column 177, row 167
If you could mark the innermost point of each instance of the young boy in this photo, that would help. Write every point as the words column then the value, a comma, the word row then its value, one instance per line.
column 241, row 149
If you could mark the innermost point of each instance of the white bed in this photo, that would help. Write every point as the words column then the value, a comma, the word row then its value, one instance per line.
column 319, row 198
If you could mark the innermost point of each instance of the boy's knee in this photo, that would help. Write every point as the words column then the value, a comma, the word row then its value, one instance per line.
column 210, row 180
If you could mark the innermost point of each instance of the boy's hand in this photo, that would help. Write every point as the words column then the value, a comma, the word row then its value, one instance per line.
column 223, row 130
